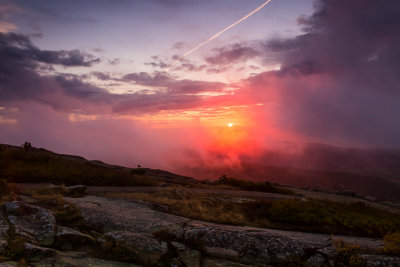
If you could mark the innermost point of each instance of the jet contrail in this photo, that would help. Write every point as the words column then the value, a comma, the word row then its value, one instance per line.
column 219, row 33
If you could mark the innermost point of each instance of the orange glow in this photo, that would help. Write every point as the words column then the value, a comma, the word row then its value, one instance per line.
column 230, row 124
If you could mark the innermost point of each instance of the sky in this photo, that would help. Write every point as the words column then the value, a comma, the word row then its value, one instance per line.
column 98, row 78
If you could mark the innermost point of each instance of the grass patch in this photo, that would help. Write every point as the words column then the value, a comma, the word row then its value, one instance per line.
column 7, row 191
column 319, row 216
column 253, row 186
column 347, row 254
column 42, row 166
column 324, row 216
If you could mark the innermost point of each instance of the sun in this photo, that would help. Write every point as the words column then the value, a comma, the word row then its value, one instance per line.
column 230, row 124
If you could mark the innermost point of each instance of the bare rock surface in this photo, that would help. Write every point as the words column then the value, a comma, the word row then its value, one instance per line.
column 32, row 222
column 106, row 215
column 255, row 246
column 141, row 248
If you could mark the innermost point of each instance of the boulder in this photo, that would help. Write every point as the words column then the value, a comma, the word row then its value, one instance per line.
column 69, row 239
column 32, row 223
column 141, row 248
column 3, row 233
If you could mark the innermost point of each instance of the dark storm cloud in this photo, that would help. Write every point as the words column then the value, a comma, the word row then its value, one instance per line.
column 21, row 61
column 357, row 40
column 19, row 47
column 339, row 80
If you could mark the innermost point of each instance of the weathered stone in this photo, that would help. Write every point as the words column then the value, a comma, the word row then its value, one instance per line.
column 248, row 245
column 3, row 233
column 106, row 215
column 144, row 249
column 316, row 260
column 190, row 257
column 76, row 191
column 259, row 246
column 379, row 261
column 33, row 223
column 68, row 239
column 33, row 252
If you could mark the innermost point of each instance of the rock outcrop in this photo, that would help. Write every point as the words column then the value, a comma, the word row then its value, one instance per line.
column 106, row 215
column 125, row 233
column 34, row 223
column 141, row 248
column 257, row 246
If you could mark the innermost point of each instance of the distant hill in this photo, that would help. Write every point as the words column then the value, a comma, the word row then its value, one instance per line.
column 38, row 165
column 368, row 172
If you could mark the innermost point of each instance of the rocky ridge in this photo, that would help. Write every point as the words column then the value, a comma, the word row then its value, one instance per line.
column 130, row 233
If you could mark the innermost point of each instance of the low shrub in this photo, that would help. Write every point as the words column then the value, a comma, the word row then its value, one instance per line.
column 254, row 186
column 348, row 254
column 392, row 243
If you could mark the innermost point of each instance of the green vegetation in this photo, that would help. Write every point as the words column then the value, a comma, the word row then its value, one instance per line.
column 324, row 217
column 253, row 186
column 347, row 254
column 42, row 166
